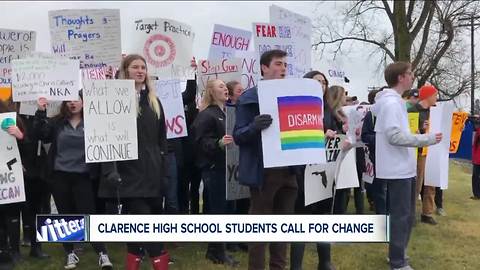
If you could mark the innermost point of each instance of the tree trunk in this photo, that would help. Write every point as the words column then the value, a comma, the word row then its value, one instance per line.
column 403, row 43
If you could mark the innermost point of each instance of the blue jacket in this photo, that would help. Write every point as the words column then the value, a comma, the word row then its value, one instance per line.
column 249, row 140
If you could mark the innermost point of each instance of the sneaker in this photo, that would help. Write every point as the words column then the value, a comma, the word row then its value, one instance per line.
column 428, row 220
column 441, row 212
column 406, row 267
column 475, row 198
column 72, row 261
column 104, row 261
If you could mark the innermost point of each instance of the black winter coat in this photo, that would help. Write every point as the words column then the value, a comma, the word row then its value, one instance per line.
column 34, row 159
column 144, row 177
column 209, row 128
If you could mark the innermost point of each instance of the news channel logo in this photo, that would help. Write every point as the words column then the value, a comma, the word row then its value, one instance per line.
column 61, row 228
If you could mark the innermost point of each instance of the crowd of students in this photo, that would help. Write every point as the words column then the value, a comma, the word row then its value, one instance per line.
column 166, row 177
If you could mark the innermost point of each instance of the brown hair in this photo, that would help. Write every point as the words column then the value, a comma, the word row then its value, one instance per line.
column 394, row 70
column 268, row 56
column 64, row 112
column 231, row 86
column 123, row 74
column 334, row 97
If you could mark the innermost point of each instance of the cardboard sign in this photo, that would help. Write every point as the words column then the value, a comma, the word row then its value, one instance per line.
column 110, row 120
column 228, row 40
column 235, row 191
column 30, row 107
column 52, row 78
column 436, row 168
column 319, row 180
column 346, row 174
column 301, row 30
column 91, row 36
column 223, row 69
column 250, row 72
column 166, row 45
column 170, row 95
column 458, row 122
column 355, row 115
column 12, row 187
column 14, row 44
column 296, row 135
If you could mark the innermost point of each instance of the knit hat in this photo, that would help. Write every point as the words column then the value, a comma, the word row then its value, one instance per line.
column 427, row 91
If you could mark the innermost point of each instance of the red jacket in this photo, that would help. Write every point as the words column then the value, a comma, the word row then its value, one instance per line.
column 476, row 148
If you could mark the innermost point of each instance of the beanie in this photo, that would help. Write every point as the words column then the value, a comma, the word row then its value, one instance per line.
column 427, row 91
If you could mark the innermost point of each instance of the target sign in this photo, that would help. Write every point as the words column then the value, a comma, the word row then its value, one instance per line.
column 159, row 51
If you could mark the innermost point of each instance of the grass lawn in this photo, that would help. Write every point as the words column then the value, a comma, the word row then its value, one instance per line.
column 454, row 244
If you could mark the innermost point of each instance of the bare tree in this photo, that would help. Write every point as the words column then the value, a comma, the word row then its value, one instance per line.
column 425, row 33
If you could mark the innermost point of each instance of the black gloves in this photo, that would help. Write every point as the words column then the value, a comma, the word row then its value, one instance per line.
column 262, row 121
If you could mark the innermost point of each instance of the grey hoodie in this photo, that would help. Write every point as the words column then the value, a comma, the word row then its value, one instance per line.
column 395, row 155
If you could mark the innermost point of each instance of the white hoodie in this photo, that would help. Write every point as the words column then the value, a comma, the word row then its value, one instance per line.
column 394, row 152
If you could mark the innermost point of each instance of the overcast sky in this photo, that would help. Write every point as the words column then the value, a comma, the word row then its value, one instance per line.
column 201, row 16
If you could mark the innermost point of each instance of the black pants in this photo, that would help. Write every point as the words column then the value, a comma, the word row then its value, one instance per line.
column 476, row 181
column 438, row 197
column 10, row 227
column 189, row 178
column 144, row 206
column 74, row 194
column 38, row 202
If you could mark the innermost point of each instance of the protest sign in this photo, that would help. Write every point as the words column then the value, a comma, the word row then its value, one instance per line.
column 98, row 73
column 268, row 37
column 250, row 72
column 14, row 44
column 91, row 36
column 458, row 122
column 301, row 31
column 223, row 69
column 318, row 182
column 296, row 135
column 12, row 187
column 369, row 173
column 355, row 117
column 110, row 120
column 51, row 78
column 346, row 172
column 30, row 107
column 170, row 95
column 235, row 191
column 436, row 168
column 166, row 45
column 228, row 40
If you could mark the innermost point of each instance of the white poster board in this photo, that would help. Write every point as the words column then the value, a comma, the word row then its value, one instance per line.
column 436, row 167
column 12, row 187
column 89, row 35
column 14, row 44
column 250, row 71
column 166, row 45
column 235, row 191
column 301, row 30
column 346, row 174
column 170, row 95
column 355, row 117
column 228, row 40
column 223, row 69
column 296, row 135
column 319, row 180
column 51, row 78
column 110, row 120
column 30, row 107
column 268, row 37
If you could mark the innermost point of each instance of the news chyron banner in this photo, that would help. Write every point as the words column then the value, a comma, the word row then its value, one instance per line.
column 62, row 228
column 213, row 228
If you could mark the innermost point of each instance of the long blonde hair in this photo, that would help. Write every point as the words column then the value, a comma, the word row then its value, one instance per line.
column 334, row 98
column 152, row 97
column 208, row 97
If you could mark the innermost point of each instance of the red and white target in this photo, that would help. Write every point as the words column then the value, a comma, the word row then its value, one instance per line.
column 159, row 51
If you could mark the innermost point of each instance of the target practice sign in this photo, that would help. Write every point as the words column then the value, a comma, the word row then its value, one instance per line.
column 167, row 46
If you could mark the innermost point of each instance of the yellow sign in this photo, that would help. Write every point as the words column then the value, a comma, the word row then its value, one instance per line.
column 413, row 119
column 458, row 122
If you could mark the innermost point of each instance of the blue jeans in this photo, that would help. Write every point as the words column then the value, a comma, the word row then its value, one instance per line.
column 171, row 178
column 401, row 196
column 215, row 184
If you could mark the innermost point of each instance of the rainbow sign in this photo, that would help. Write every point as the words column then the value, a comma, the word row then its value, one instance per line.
column 301, row 122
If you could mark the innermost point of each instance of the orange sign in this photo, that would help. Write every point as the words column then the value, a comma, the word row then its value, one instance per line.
column 458, row 122
column 5, row 93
